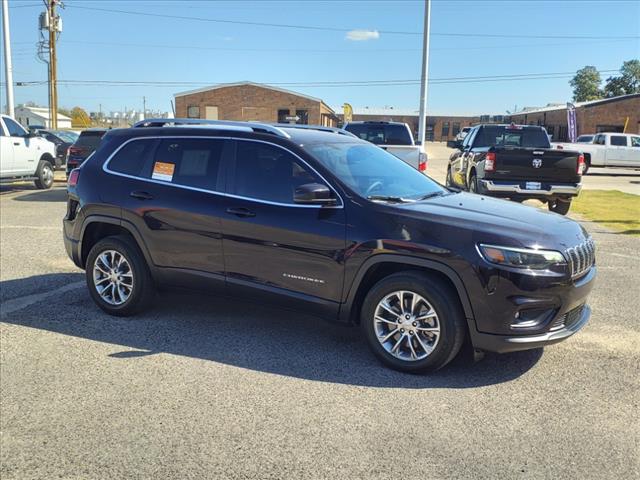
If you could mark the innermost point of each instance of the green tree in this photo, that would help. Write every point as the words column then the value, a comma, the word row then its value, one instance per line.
column 586, row 84
column 628, row 81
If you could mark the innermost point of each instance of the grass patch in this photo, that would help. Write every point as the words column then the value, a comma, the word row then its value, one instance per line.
column 616, row 210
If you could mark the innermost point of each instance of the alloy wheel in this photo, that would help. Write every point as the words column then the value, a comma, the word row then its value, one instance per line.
column 406, row 325
column 113, row 277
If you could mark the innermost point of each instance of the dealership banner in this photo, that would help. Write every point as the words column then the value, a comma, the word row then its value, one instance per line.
column 571, row 122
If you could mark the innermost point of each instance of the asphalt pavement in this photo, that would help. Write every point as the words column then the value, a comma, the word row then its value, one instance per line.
column 206, row 387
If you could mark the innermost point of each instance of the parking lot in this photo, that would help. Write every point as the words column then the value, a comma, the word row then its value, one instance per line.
column 204, row 387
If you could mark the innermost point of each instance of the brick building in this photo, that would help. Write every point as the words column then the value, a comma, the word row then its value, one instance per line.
column 440, row 128
column 606, row 115
column 247, row 101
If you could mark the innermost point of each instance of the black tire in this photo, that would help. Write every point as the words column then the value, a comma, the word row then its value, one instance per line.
column 44, row 175
column 473, row 183
column 587, row 165
column 447, row 180
column 446, row 305
column 559, row 206
column 143, row 289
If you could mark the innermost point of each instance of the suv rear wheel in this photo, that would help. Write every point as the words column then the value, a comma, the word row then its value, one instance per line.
column 118, row 277
column 412, row 323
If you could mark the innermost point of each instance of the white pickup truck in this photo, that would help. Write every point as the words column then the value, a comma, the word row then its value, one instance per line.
column 607, row 150
column 25, row 155
column 394, row 137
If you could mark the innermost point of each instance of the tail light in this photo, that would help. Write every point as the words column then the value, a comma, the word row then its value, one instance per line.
column 490, row 162
column 422, row 162
column 74, row 176
column 75, row 151
column 580, row 168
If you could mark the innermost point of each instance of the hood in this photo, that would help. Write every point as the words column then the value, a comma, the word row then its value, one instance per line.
column 491, row 219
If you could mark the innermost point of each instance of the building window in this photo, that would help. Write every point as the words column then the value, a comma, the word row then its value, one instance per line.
column 193, row 111
column 303, row 117
column 445, row 129
column 610, row 128
column 282, row 116
column 562, row 133
column 550, row 129
column 456, row 128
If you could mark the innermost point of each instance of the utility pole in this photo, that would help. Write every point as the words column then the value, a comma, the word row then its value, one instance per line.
column 53, row 77
column 8, row 67
column 144, row 108
column 422, row 125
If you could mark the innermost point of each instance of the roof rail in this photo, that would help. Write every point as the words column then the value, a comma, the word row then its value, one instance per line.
column 255, row 126
column 321, row 128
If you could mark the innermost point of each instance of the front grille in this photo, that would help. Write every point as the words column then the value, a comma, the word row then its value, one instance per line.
column 567, row 320
column 581, row 257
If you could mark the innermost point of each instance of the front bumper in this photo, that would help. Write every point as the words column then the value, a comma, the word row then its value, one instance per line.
column 520, row 188
column 504, row 343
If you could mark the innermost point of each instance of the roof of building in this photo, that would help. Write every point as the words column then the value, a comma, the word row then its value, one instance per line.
column 563, row 106
column 43, row 112
column 244, row 83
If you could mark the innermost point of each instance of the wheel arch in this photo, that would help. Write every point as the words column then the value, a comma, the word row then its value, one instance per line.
column 380, row 266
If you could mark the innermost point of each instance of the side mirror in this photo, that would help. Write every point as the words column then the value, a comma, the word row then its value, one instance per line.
column 454, row 144
column 313, row 194
column 31, row 134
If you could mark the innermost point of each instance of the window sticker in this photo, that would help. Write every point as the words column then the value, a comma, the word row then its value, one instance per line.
column 163, row 171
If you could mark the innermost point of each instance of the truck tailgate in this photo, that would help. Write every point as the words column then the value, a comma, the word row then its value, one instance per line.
column 537, row 164
column 408, row 153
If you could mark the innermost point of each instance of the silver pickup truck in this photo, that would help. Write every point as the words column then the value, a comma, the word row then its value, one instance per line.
column 394, row 137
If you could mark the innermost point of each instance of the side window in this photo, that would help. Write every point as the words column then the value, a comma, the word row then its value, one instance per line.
column 599, row 140
column 1, row 129
column 15, row 130
column 468, row 139
column 265, row 172
column 132, row 157
column 193, row 162
column 635, row 141
column 618, row 140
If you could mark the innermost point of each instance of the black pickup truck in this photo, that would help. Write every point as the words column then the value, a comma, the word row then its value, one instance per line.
column 516, row 162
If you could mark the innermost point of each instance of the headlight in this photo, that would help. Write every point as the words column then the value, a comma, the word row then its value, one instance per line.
column 521, row 257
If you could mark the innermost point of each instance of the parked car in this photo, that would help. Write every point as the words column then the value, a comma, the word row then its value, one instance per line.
column 607, row 150
column 24, row 155
column 394, row 137
column 461, row 134
column 84, row 146
column 516, row 162
column 327, row 223
column 62, row 139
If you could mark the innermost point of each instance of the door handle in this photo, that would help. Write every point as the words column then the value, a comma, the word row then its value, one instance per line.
column 16, row 143
column 141, row 195
column 241, row 212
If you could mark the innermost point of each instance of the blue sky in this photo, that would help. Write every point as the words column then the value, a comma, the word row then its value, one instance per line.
column 98, row 45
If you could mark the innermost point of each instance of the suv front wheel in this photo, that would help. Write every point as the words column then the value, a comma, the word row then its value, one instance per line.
column 412, row 323
column 118, row 277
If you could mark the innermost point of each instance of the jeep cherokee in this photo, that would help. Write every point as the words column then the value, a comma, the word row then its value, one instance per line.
column 317, row 219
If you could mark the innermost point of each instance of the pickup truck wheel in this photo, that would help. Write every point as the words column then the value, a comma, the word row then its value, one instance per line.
column 412, row 323
column 587, row 164
column 44, row 175
column 118, row 277
column 473, row 183
column 559, row 206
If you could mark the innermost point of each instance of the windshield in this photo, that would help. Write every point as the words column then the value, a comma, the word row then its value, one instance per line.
column 381, row 134
column 89, row 139
column 372, row 172
column 502, row 136
column 65, row 136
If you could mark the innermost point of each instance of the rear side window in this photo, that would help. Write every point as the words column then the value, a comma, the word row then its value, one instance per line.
column 193, row 162
column 132, row 157
column 618, row 140
column 381, row 134
column 265, row 172
column 635, row 141
column 89, row 139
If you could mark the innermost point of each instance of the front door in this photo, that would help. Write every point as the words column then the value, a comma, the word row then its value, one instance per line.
column 6, row 152
column 273, row 244
column 24, row 158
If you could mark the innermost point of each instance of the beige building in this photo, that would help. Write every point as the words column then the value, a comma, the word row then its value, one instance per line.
column 248, row 101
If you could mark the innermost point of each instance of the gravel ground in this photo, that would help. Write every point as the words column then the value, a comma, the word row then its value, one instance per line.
column 204, row 387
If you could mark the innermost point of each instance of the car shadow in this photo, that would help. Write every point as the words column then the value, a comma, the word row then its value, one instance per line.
column 249, row 336
column 35, row 195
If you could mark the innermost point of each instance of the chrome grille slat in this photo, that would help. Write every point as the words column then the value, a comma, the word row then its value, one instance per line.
column 581, row 257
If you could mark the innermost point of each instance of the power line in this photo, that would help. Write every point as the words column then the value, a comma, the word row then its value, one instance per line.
column 344, row 30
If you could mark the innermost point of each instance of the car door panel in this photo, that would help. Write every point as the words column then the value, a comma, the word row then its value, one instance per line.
column 6, row 152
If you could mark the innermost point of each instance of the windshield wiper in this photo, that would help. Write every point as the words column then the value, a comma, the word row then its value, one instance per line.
column 431, row 195
column 389, row 198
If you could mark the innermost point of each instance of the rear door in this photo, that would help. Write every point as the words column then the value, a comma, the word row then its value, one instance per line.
column 171, row 189
column 618, row 150
column 272, row 244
